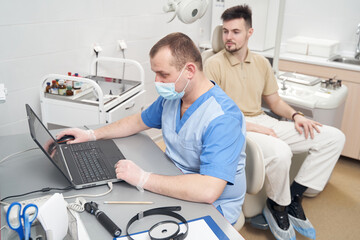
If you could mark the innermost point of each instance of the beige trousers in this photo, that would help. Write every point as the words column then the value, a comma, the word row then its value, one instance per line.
column 323, row 152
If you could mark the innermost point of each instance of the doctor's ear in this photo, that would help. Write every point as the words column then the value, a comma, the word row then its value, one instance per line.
column 191, row 69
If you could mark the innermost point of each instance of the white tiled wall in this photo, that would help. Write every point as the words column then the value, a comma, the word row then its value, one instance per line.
column 325, row 19
column 39, row 37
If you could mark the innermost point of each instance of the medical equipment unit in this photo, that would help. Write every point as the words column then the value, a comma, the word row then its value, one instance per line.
column 100, row 99
column 320, row 100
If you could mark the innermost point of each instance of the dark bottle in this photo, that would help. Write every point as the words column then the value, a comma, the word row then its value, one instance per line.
column 48, row 87
column 69, row 91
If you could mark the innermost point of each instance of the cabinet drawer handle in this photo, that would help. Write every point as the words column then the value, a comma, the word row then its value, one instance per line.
column 127, row 108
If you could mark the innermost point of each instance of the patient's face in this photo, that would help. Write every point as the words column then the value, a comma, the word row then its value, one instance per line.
column 236, row 34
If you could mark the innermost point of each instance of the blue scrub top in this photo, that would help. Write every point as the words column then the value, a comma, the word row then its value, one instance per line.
column 209, row 139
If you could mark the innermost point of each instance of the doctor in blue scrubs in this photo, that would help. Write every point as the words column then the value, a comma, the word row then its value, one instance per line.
column 203, row 129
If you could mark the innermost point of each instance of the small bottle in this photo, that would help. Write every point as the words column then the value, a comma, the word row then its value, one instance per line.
column 69, row 82
column 77, row 84
column 48, row 87
column 54, row 88
column 69, row 91
column 62, row 88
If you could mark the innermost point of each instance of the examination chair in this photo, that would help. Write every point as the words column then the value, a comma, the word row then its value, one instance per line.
column 255, row 176
column 255, row 169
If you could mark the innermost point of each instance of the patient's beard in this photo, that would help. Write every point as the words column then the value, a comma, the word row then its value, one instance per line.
column 232, row 50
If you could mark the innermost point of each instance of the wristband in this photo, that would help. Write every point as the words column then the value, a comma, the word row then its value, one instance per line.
column 296, row 113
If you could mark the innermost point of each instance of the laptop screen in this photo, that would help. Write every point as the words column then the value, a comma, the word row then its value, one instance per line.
column 45, row 140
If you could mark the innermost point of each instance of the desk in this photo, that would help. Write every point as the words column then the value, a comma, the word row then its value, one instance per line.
column 32, row 171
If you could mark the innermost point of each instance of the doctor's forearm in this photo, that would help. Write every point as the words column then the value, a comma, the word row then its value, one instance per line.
column 190, row 187
column 122, row 128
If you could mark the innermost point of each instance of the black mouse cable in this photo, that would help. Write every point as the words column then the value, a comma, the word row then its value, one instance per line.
column 47, row 189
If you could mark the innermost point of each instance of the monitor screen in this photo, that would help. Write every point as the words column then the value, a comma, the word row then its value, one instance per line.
column 45, row 140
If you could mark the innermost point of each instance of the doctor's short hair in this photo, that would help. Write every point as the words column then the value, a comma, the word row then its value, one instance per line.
column 236, row 12
column 182, row 48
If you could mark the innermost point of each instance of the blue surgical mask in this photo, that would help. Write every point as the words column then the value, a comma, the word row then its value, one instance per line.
column 167, row 90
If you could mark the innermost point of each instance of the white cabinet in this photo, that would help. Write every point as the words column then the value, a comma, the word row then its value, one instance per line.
column 350, row 122
column 129, row 107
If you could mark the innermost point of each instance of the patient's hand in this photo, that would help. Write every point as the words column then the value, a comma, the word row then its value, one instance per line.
column 252, row 127
column 302, row 124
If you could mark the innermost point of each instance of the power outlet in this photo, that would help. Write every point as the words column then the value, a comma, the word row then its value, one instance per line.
column 97, row 48
column 122, row 44
column 3, row 93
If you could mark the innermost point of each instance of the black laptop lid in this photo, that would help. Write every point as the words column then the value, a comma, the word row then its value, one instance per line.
column 46, row 141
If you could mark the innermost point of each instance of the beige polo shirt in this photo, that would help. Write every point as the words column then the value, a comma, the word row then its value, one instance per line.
column 245, row 82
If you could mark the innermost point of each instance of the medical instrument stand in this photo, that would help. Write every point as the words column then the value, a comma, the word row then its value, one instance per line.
column 92, row 106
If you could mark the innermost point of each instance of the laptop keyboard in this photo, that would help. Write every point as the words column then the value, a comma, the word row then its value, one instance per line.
column 89, row 163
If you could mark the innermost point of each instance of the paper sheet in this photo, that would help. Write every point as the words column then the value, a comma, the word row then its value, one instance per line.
column 53, row 217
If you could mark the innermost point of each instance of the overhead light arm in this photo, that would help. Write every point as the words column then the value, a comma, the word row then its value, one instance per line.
column 279, row 27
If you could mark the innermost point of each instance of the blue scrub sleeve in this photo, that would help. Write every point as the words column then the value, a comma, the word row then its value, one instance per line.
column 223, row 142
column 152, row 115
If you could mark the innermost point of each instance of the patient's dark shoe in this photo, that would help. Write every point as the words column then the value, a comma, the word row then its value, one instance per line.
column 298, row 219
column 278, row 222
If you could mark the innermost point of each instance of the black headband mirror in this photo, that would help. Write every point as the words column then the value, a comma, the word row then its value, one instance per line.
column 164, row 230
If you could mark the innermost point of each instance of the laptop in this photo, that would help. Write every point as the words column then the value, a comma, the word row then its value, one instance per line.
column 85, row 164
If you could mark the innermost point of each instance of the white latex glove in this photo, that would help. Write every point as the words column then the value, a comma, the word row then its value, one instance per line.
column 128, row 171
column 79, row 134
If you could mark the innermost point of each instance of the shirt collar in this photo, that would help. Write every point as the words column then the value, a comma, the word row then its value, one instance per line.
column 234, row 61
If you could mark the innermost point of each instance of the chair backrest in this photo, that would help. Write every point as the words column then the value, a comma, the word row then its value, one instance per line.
column 255, row 167
column 217, row 44
column 255, row 176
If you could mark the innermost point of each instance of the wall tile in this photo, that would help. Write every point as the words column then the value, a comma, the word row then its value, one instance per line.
column 308, row 18
column 115, row 8
column 43, row 37
column 38, row 11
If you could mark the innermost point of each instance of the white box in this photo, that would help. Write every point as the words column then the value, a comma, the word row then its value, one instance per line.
column 298, row 44
column 322, row 47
